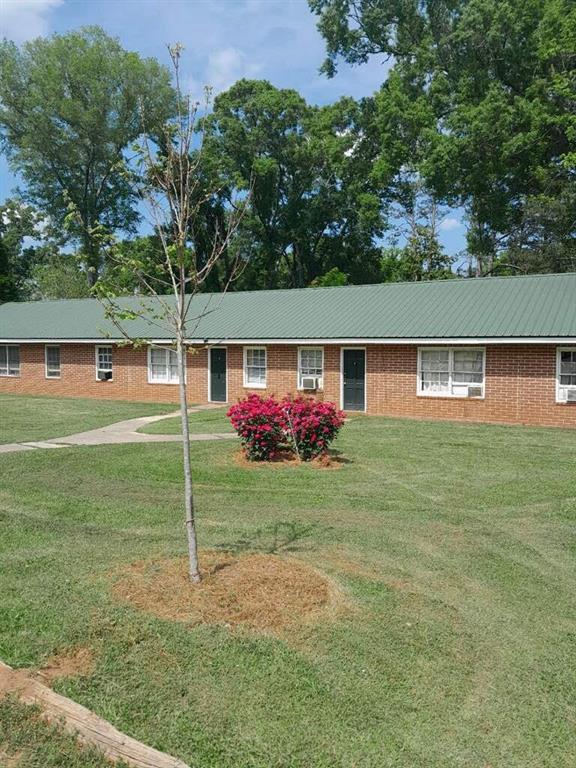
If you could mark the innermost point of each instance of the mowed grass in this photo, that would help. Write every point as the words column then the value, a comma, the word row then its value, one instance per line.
column 455, row 547
column 210, row 421
column 24, row 419
column 26, row 741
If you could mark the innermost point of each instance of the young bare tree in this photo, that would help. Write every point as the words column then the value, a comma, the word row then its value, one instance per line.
column 170, row 179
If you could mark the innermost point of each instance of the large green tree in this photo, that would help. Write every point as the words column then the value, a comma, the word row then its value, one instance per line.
column 8, row 290
column 546, row 240
column 58, row 276
column 70, row 107
column 421, row 257
column 21, row 228
column 314, row 206
column 499, row 79
column 143, row 252
column 33, row 263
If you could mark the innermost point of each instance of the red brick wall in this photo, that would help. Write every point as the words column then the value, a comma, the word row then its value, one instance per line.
column 520, row 387
column 520, row 381
column 78, row 375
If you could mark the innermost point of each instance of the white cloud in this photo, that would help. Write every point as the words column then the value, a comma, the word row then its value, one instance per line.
column 449, row 223
column 226, row 66
column 22, row 20
column 222, row 68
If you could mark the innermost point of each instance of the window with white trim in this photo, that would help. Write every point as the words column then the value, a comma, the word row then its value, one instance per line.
column 255, row 367
column 9, row 360
column 104, row 363
column 451, row 372
column 52, row 360
column 566, row 375
column 310, row 366
column 162, row 366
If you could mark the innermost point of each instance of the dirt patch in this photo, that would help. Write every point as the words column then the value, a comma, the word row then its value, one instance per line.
column 10, row 760
column 70, row 662
column 330, row 460
column 261, row 592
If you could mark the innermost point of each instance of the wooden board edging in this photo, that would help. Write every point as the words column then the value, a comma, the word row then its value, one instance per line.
column 87, row 726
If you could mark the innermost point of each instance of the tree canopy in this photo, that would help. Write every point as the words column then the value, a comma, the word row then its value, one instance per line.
column 314, row 203
column 476, row 112
column 70, row 106
column 490, row 87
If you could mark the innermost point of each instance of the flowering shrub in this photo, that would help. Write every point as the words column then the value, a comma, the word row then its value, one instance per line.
column 310, row 425
column 259, row 422
column 302, row 425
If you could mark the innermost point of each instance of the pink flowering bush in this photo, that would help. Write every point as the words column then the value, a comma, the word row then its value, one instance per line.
column 310, row 425
column 259, row 421
column 302, row 425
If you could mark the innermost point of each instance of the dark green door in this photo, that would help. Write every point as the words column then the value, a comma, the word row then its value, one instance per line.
column 218, row 387
column 354, row 377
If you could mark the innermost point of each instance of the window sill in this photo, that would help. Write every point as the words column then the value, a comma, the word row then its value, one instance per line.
column 254, row 386
column 164, row 383
column 449, row 397
column 9, row 375
column 53, row 378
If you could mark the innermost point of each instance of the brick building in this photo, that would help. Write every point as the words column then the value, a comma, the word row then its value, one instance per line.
column 486, row 350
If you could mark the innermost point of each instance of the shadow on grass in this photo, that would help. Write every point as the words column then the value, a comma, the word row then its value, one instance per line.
column 272, row 539
column 338, row 457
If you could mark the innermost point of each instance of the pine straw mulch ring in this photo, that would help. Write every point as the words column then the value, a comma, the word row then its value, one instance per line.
column 329, row 460
column 261, row 592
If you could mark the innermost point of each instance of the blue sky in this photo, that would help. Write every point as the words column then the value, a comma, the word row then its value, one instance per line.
column 225, row 40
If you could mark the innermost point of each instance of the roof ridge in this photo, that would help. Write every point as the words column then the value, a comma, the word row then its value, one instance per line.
column 449, row 281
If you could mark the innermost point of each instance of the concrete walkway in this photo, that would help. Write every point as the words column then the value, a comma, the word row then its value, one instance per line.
column 118, row 433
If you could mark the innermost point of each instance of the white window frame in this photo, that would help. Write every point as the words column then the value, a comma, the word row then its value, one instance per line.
column 151, row 379
column 427, row 393
column 247, row 385
column 97, row 349
column 559, row 397
column 219, row 346
column 299, row 374
column 8, row 374
column 46, row 373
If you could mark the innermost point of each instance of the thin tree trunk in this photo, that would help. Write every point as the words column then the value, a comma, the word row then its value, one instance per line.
column 188, row 486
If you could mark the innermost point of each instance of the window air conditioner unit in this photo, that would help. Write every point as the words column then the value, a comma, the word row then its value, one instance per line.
column 474, row 391
column 104, row 375
column 309, row 382
column 571, row 396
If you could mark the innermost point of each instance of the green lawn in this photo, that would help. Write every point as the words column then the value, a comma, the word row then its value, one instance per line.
column 28, row 742
column 203, row 422
column 455, row 545
column 24, row 419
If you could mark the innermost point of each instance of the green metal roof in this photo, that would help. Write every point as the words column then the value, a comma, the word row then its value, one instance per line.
column 535, row 306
